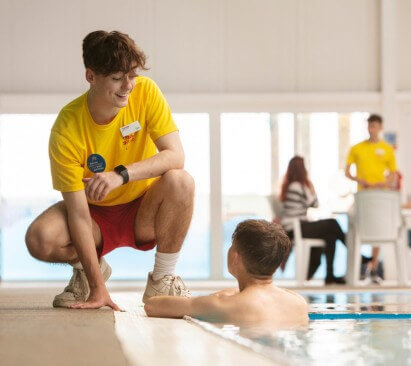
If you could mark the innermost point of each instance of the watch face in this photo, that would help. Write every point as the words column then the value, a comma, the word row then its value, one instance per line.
column 122, row 170
column 119, row 169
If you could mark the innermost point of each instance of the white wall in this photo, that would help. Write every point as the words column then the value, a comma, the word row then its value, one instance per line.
column 198, row 45
column 229, row 55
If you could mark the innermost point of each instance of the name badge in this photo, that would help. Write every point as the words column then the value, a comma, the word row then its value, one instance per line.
column 130, row 128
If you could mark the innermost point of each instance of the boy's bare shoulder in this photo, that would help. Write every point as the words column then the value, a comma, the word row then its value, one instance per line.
column 247, row 300
column 300, row 300
column 292, row 293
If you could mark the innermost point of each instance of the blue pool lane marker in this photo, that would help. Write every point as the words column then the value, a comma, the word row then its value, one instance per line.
column 336, row 316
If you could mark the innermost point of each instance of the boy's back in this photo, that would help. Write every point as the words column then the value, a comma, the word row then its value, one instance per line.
column 266, row 305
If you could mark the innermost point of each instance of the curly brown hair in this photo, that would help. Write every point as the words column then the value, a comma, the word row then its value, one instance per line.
column 109, row 52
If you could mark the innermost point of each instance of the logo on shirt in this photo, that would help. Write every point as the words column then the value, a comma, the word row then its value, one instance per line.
column 380, row 152
column 96, row 163
column 129, row 138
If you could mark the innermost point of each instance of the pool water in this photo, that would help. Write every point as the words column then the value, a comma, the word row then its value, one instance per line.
column 338, row 342
column 367, row 301
column 358, row 341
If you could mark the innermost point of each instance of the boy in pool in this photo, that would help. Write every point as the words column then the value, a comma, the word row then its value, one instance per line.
column 258, row 247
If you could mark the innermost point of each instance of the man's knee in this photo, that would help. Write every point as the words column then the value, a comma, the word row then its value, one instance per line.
column 38, row 241
column 180, row 182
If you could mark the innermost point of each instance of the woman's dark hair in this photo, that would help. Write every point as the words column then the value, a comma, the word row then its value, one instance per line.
column 296, row 172
column 109, row 52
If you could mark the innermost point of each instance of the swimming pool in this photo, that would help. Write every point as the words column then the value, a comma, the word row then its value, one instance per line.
column 356, row 341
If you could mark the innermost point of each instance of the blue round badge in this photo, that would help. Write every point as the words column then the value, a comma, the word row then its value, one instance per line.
column 96, row 163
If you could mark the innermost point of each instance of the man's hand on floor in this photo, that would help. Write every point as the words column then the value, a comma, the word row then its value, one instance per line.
column 96, row 300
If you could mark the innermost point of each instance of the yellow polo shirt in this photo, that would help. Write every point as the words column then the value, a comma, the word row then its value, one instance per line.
column 372, row 160
column 79, row 148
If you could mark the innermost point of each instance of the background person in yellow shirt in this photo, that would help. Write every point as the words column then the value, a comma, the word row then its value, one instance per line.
column 376, row 169
column 116, row 156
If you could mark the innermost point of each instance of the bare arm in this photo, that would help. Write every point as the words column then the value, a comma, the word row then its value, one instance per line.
column 206, row 307
column 392, row 180
column 348, row 173
column 170, row 156
column 361, row 182
column 80, row 227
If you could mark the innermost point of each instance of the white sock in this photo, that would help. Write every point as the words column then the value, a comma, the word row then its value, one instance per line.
column 164, row 264
column 77, row 265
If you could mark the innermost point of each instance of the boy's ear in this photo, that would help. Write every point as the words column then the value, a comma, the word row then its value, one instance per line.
column 90, row 76
column 237, row 257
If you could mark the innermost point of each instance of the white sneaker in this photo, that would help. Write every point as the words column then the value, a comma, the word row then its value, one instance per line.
column 376, row 279
column 169, row 285
column 78, row 288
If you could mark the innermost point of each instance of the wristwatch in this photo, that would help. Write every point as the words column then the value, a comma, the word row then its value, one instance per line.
column 122, row 170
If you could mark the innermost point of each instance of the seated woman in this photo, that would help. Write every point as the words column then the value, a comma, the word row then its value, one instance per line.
column 297, row 195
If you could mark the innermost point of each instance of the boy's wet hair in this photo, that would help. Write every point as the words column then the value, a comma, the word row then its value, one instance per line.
column 109, row 52
column 375, row 118
column 262, row 246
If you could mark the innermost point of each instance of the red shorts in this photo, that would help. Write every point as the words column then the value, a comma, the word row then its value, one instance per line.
column 116, row 224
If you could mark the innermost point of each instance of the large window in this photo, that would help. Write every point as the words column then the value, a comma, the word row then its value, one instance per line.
column 246, row 170
column 255, row 151
column 26, row 191
column 285, row 140
column 195, row 135
column 330, row 137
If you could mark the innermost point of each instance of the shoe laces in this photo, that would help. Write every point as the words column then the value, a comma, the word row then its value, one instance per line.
column 76, row 284
column 177, row 286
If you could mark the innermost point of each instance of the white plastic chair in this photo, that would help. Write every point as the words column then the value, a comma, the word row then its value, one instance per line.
column 377, row 221
column 302, row 246
column 302, row 251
